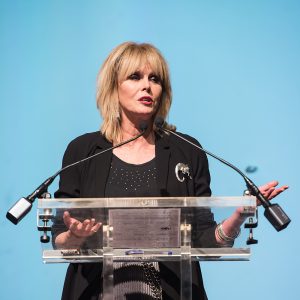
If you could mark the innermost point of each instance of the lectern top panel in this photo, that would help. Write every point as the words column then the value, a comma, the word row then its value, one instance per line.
column 147, row 202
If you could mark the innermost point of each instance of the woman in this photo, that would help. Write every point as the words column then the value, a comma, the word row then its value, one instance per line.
column 134, row 87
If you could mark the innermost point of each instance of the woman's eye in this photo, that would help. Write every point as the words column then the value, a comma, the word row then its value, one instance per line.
column 155, row 78
column 134, row 76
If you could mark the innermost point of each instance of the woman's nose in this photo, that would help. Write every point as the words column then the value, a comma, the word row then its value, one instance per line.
column 146, row 84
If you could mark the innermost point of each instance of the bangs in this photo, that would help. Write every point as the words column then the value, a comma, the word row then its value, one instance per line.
column 136, row 59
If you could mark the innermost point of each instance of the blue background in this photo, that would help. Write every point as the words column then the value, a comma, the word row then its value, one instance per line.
column 235, row 71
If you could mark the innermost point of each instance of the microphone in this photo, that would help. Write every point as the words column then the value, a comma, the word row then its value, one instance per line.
column 143, row 126
column 273, row 212
column 22, row 207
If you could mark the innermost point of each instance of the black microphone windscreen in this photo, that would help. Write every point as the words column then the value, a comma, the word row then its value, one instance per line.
column 159, row 122
column 143, row 126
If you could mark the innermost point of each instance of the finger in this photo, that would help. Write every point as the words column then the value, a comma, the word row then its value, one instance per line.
column 268, row 192
column 92, row 223
column 74, row 226
column 67, row 218
column 277, row 192
column 86, row 226
column 96, row 227
column 85, row 223
column 89, row 226
column 268, row 185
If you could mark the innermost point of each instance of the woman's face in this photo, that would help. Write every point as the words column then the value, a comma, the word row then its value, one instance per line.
column 139, row 94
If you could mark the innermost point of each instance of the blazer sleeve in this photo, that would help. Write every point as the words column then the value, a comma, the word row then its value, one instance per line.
column 69, row 183
column 204, row 223
column 69, row 187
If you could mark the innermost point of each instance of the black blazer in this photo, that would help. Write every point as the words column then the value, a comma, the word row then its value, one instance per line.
column 89, row 180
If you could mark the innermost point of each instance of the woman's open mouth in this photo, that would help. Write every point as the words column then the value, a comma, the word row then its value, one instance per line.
column 146, row 100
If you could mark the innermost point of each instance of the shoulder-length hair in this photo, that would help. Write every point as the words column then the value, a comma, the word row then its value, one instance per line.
column 123, row 61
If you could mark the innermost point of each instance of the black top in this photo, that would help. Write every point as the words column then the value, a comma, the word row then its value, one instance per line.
column 90, row 180
column 129, row 180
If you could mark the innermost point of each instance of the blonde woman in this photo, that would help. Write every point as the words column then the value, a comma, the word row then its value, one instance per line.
column 134, row 87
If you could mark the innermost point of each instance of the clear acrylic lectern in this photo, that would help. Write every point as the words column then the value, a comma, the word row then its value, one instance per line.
column 142, row 229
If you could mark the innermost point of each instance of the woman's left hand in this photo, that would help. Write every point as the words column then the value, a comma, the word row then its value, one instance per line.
column 270, row 191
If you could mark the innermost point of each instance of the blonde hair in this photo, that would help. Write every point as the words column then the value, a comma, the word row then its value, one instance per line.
column 124, row 60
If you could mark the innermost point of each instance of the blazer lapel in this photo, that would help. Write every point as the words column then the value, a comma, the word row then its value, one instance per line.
column 162, row 154
column 103, row 163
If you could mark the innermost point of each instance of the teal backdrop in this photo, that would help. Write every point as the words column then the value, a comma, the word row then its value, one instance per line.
column 235, row 71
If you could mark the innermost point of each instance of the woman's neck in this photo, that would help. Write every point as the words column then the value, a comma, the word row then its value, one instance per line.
column 130, row 130
column 138, row 151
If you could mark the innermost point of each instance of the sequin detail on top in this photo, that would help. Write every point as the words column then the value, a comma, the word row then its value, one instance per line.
column 129, row 180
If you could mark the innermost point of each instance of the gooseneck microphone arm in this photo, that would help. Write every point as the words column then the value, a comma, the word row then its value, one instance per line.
column 273, row 212
column 20, row 209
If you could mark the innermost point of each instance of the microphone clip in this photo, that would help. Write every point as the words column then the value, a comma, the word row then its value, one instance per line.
column 45, row 218
column 251, row 224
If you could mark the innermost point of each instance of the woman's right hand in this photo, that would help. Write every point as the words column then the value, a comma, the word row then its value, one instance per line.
column 81, row 229
column 77, row 232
